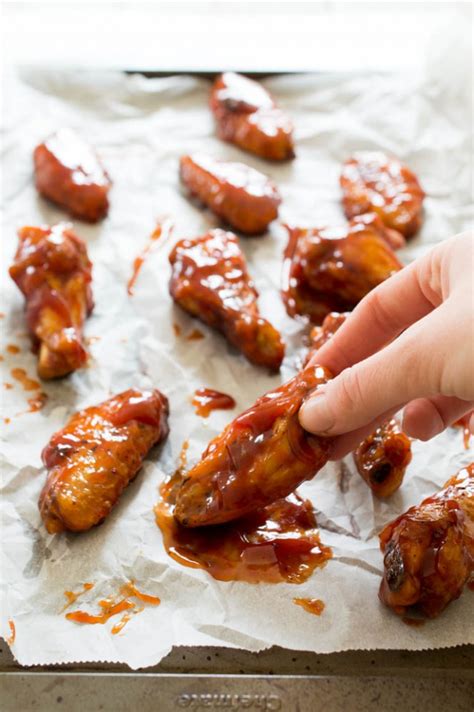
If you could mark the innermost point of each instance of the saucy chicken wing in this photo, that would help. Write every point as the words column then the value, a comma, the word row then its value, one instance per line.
column 68, row 172
column 260, row 457
column 97, row 455
column 52, row 269
column 429, row 550
column 210, row 280
column 247, row 115
column 239, row 195
column 374, row 182
column 332, row 269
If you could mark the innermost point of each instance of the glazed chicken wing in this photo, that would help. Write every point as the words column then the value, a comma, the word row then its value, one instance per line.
column 383, row 457
column 247, row 115
column 374, row 182
column 333, row 269
column 210, row 280
column 429, row 550
column 241, row 196
column 261, row 456
column 53, row 271
column 68, row 172
column 96, row 455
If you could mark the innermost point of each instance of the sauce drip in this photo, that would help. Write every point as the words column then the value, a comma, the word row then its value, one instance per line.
column 114, row 605
column 7, row 386
column 195, row 335
column 279, row 543
column 163, row 227
column 311, row 605
column 415, row 622
column 12, row 636
column 72, row 596
column 29, row 384
column 13, row 349
column 206, row 400
column 176, row 329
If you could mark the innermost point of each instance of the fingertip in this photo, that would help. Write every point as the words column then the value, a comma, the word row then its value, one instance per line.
column 316, row 415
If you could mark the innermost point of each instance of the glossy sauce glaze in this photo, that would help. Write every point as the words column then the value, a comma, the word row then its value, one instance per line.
column 96, row 456
column 163, row 230
column 210, row 280
column 72, row 596
column 206, row 400
column 247, row 115
column 429, row 550
column 68, row 172
column 241, row 196
column 311, row 605
column 382, row 458
column 276, row 544
column 332, row 269
column 53, row 271
column 374, row 182
column 260, row 457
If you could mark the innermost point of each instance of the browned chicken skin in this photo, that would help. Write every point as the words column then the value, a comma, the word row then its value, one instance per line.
column 374, row 182
column 210, row 280
column 241, row 196
column 68, row 172
column 429, row 550
column 97, row 455
column 247, row 115
column 53, row 271
column 384, row 455
column 260, row 457
column 332, row 269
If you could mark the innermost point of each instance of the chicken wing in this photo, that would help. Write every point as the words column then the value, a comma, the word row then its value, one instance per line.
column 210, row 280
column 68, row 172
column 383, row 457
column 429, row 550
column 53, row 271
column 332, row 269
column 241, row 196
column 374, row 182
column 260, row 457
column 97, row 455
column 247, row 115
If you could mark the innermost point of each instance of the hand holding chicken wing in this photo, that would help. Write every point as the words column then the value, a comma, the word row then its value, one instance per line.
column 97, row 455
column 53, row 271
column 247, row 115
column 261, row 456
column 241, row 196
column 210, row 280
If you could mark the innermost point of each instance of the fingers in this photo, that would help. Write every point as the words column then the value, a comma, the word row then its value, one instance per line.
column 426, row 417
column 383, row 314
column 408, row 368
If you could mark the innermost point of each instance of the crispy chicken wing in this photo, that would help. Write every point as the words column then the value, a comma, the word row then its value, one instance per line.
column 241, row 196
column 96, row 455
column 429, row 550
column 53, row 271
column 247, row 115
column 261, row 456
column 382, row 458
column 332, row 269
column 210, row 280
column 68, row 172
column 374, row 182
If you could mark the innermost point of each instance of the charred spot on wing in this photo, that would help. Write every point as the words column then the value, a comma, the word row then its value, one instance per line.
column 381, row 473
column 394, row 567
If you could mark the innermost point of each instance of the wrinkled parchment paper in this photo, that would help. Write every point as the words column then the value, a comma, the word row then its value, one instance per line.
column 140, row 128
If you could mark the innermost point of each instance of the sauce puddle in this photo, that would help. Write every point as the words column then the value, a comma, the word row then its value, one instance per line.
column 164, row 228
column 206, row 400
column 311, row 605
column 72, row 596
column 29, row 384
column 195, row 335
column 114, row 605
column 13, row 349
column 279, row 543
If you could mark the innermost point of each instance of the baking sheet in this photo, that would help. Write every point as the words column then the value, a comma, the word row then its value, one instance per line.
column 141, row 127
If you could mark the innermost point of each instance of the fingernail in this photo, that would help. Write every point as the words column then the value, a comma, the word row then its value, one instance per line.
column 316, row 415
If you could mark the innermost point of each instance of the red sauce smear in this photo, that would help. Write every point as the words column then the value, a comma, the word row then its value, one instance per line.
column 114, row 605
column 206, row 400
column 416, row 622
column 311, row 605
column 279, row 543
column 164, row 227
column 13, row 349
column 195, row 335
column 72, row 596
column 464, row 424
column 7, row 420
column 12, row 636
column 8, row 386
column 29, row 384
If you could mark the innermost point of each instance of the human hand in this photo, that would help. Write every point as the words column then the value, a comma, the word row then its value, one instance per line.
column 409, row 343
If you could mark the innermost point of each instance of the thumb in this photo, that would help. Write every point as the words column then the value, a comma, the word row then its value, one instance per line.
column 410, row 367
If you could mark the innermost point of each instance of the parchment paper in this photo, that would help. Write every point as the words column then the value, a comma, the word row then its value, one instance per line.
column 140, row 128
